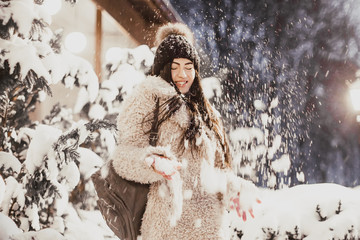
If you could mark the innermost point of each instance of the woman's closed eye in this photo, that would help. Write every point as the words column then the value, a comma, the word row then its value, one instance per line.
column 187, row 68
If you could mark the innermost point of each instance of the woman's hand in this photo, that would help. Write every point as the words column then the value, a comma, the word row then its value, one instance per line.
column 243, row 197
column 235, row 204
column 163, row 165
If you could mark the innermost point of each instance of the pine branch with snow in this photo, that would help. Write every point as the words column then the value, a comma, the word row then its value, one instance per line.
column 123, row 73
column 37, row 192
column 32, row 56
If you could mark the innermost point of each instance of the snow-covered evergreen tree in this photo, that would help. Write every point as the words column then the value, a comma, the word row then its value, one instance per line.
column 31, row 59
column 45, row 167
column 41, row 163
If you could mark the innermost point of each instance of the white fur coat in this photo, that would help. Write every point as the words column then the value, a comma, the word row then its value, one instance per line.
column 180, row 208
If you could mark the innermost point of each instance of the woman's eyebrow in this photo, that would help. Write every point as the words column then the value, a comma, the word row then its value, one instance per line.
column 188, row 63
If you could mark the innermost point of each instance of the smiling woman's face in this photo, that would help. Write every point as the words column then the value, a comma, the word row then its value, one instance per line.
column 182, row 74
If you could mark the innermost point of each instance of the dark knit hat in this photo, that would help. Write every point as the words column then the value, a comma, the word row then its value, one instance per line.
column 175, row 41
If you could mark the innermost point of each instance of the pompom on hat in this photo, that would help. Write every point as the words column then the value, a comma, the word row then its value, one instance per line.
column 175, row 40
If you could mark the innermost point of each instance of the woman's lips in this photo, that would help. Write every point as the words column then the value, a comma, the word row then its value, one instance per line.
column 181, row 83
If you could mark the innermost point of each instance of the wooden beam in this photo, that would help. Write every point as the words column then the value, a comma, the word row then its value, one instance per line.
column 98, row 42
column 131, row 20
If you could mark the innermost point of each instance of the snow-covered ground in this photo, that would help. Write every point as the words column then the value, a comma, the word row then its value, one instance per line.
column 311, row 212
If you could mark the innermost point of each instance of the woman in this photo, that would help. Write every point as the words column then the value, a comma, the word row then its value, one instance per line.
column 188, row 165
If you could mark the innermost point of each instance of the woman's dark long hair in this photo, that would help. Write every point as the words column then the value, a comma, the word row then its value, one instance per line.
column 198, row 105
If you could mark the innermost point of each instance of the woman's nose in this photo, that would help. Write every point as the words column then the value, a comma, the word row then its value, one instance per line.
column 182, row 73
